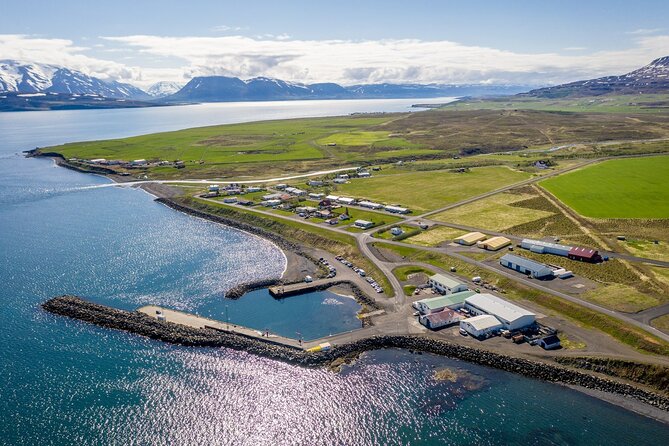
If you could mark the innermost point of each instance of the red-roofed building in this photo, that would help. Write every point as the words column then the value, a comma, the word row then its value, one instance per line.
column 439, row 319
column 584, row 254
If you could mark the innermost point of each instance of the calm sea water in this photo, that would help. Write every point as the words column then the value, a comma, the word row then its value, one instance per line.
column 65, row 382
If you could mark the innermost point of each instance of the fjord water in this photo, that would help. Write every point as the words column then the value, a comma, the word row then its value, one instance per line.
column 66, row 382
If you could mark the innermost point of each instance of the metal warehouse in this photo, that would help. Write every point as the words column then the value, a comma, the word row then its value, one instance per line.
column 541, row 247
column 471, row 238
column 526, row 266
column 511, row 316
column 481, row 326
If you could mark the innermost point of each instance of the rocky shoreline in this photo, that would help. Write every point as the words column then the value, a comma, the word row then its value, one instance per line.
column 141, row 324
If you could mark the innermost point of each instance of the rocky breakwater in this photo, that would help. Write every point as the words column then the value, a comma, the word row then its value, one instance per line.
column 144, row 325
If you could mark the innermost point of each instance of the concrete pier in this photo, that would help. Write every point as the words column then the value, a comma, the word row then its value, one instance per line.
column 280, row 291
column 195, row 321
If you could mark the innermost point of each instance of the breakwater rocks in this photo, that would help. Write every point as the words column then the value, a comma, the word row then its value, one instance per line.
column 144, row 325
column 238, row 291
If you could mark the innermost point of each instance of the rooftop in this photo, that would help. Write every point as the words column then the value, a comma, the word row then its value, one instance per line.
column 446, row 301
column 445, row 280
column 499, row 307
column 524, row 262
column 483, row 322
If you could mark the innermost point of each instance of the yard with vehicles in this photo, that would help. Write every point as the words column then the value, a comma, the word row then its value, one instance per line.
column 621, row 188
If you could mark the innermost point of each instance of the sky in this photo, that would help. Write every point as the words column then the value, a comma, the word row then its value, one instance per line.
column 350, row 42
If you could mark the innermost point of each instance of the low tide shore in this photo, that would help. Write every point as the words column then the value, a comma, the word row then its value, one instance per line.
column 141, row 324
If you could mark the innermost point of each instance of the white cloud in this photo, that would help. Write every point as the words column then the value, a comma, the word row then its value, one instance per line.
column 228, row 28
column 62, row 52
column 575, row 48
column 344, row 61
column 644, row 31
column 390, row 60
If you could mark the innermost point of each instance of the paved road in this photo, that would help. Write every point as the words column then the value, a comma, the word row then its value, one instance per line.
column 533, row 283
column 652, row 313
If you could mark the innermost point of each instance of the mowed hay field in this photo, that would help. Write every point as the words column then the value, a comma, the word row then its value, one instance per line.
column 495, row 213
column 424, row 191
column 267, row 141
column 623, row 188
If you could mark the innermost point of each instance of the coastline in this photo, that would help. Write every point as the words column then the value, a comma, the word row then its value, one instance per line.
column 143, row 325
column 626, row 399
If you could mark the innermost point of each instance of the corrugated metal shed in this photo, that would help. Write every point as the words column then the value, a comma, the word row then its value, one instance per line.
column 511, row 315
column 524, row 265
column 542, row 247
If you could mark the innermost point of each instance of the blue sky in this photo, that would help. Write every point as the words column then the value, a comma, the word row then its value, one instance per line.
column 530, row 42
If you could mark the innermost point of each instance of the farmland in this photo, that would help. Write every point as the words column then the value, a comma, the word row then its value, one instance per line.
column 423, row 191
column 624, row 188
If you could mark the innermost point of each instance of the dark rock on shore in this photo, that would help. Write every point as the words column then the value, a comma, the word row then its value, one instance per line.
column 144, row 325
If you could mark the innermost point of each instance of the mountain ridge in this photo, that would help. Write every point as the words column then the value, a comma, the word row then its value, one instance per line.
column 649, row 79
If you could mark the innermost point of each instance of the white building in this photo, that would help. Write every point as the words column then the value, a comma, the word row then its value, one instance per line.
column 364, row 174
column 511, row 316
column 332, row 197
column 364, row 224
column 271, row 203
column 316, row 196
column 340, row 181
column 396, row 231
column 446, row 285
column 481, row 326
column 397, row 209
column 346, row 200
column 370, row 205
column 252, row 189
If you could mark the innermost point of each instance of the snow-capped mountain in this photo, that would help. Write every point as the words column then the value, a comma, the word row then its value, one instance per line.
column 18, row 77
column 163, row 88
column 227, row 89
column 652, row 78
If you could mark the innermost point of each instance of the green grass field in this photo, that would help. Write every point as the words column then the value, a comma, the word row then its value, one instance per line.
column 650, row 103
column 283, row 140
column 423, row 191
column 624, row 188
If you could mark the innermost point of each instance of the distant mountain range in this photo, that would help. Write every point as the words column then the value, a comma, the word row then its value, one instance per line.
column 653, row 78
column 35, row 86
column 26, row 78
column 230, row 89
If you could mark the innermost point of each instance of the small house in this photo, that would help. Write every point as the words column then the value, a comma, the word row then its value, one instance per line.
column 370, row 205
column 551, row 342
column 396, row 231
column 440, row 319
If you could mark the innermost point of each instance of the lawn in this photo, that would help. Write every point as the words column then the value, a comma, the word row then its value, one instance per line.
column 424, row 191
column 622, row 188
column 496, row 213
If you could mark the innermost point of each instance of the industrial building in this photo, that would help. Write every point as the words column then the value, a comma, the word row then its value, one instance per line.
column 346, row 200
column 453, row 301
column 511, row 316
column 396, row 209
column 584, row 255
column 370, row 205
column 549, row 342
column 363, row 224
column 470, row 239
column 481, row 326
column 316, row 195
column 445, row 285
column 572, row 252
column 439, row 319
column 541, row 247
column 526, row 266
column 494, row 243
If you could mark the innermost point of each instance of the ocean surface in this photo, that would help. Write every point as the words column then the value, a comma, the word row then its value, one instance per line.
column 65, row 382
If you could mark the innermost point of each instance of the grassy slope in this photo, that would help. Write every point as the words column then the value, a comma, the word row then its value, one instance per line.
column 250, row 142
column 604, row 104
column 422, row 191
column 294, row 231
column 625, row 188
